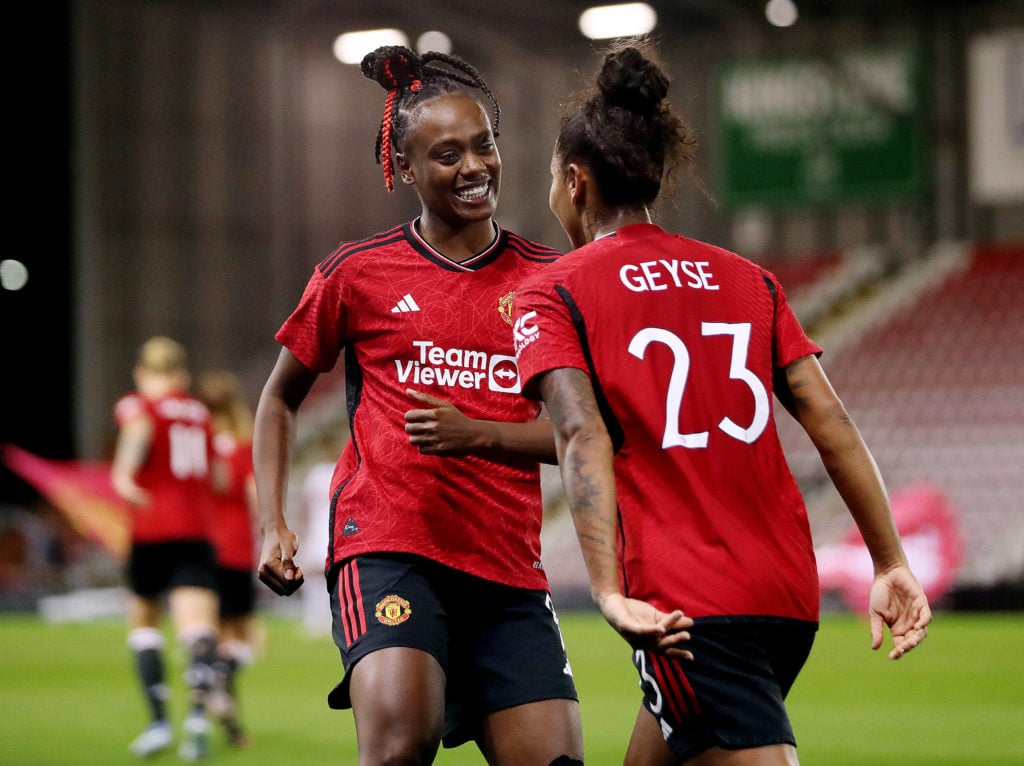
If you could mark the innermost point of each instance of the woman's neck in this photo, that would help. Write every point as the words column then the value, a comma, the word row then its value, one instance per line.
column 604, row 222
column 456, row 243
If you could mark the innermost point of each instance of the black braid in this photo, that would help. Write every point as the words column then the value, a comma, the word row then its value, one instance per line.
column 473, row 80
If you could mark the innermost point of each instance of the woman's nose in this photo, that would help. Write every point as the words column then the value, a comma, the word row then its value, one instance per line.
column 473, row 163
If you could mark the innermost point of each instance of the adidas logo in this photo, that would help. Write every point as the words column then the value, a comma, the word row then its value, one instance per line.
column 406, row 304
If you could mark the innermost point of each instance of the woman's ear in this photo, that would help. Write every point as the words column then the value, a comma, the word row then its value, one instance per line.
column 405, row 169
column 577, row 181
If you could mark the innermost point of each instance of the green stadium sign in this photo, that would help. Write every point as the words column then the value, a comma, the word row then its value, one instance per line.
column 804, row 132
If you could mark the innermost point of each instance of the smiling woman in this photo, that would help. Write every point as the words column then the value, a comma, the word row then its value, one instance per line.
column 434, row 555
column 411, row 81
column 454, row 164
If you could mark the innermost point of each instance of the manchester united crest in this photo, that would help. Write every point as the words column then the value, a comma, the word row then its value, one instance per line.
column 393, row 610
column 505, row 306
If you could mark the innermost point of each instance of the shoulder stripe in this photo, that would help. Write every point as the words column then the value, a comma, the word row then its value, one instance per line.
column 532, row 250
column 346, row 249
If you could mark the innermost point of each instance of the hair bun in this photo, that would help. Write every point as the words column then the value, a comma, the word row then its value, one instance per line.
column 630, row 80
column 392, row 66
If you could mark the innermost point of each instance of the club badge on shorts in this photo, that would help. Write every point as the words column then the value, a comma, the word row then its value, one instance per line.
column 393, row 610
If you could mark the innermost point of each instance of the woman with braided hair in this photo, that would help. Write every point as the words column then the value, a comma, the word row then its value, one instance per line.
column 402, row 74
column 658, row 357
column 441, row 609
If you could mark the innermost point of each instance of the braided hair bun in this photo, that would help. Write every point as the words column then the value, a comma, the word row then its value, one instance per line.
column 394, row 67
column 631, row 81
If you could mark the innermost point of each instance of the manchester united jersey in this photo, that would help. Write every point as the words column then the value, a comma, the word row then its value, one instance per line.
column 681, row 340
column 176, row 471
column 406, row 317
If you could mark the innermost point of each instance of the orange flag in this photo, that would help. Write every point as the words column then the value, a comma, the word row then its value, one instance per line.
column 81, row 490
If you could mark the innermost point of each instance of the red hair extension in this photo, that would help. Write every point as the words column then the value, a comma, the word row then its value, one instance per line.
column 385, row 131
column 385, row 140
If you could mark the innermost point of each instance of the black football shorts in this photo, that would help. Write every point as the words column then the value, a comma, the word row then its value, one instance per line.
column 731, row 695
column 499, row 646
column 156, row 568
column 236, row 589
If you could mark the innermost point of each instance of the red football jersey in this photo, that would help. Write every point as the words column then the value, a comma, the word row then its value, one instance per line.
column 680, row 340
column 176, row 471
column 407, row 317
column 232, row 521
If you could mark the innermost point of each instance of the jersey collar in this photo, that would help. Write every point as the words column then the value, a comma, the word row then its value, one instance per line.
column 474, row 263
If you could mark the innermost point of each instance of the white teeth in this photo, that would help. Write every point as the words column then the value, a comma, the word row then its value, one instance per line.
column 475, row 192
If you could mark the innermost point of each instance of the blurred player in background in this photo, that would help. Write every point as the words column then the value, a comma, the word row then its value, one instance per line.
column 657, row 357
column 314, row 526
column 441, row 606
column 234, row 521
column 161, row 467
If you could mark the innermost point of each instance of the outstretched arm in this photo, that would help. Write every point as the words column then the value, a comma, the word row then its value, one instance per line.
column 273, row 442
column 585, row 456
column 437, row 427
column 897, row 599
column 133, row 442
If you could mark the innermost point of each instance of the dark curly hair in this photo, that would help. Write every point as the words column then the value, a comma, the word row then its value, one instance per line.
column 410, row 79
column 625, row 131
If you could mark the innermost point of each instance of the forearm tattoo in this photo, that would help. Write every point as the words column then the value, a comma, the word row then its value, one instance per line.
column 585, row 458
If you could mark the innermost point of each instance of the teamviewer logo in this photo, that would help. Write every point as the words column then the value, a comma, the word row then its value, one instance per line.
column 503, row 374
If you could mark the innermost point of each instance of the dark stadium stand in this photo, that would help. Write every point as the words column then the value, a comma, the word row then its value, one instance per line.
column 798, row 274
column 937, row 389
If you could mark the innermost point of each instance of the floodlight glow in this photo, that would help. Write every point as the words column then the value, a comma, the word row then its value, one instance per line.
column 351, row 47
column 13, row 274
column 781, row 13
column 433, row 41
column 624, row 20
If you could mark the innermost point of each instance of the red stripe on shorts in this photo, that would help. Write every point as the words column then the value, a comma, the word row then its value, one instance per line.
column 690, row 696
column 677, row 689
column 350, row 601
column 668, row 684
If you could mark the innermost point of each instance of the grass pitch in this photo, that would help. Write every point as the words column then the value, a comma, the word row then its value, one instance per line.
column 68, row 696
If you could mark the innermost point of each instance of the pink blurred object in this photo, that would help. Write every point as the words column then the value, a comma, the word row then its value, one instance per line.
column 81, row 490
column 931, row 539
